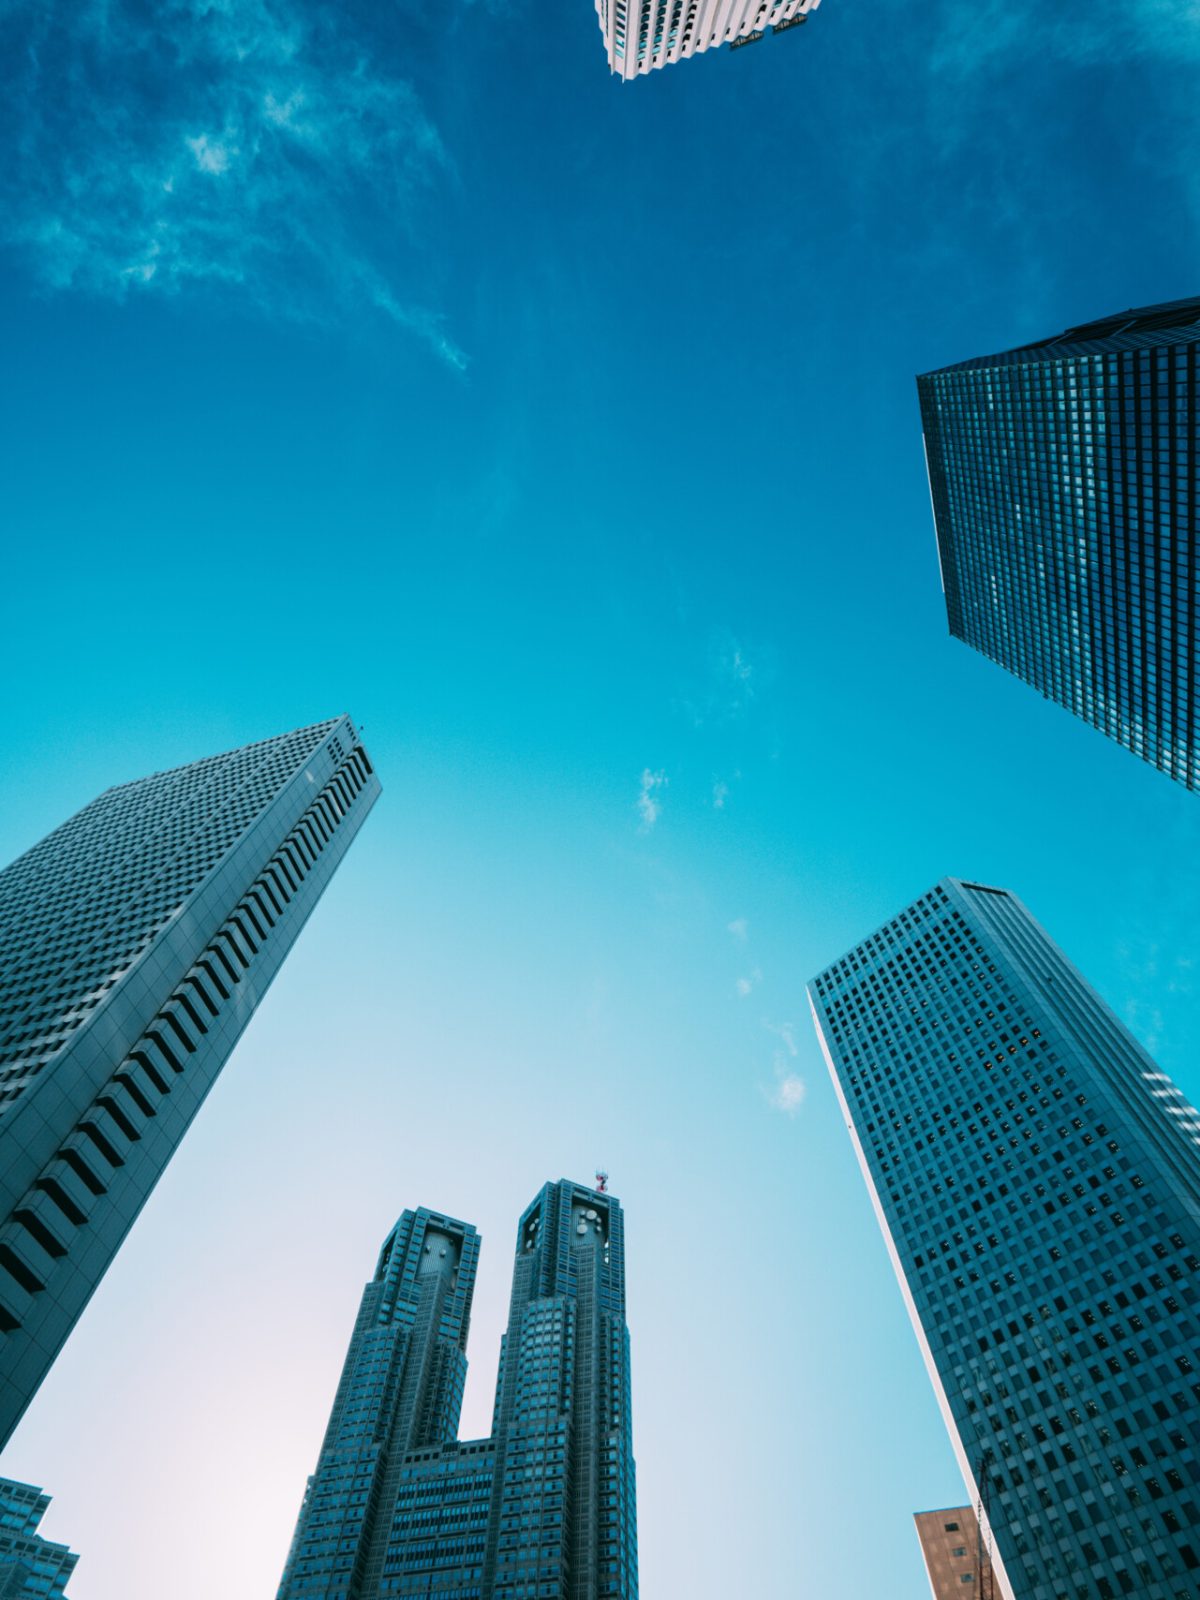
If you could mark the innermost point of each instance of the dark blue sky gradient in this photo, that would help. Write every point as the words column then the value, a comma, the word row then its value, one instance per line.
column 562, row 432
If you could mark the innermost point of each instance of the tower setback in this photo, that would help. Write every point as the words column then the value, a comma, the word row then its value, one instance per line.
column 31, row 1567
column 544, row 1507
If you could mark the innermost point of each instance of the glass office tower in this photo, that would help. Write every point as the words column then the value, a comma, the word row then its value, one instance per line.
column 1067, row 502
column 543, row 1509
column 31, row 1568
column 136, row 941
column 1037, row 1180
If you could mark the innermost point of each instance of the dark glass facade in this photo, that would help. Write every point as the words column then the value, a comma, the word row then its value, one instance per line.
column 1037, row 1181
column 1066, row 497
column 543, row 1509
column 31, row 1568
column 135, row 944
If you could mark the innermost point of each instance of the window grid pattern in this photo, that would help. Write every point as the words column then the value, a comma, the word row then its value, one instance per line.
column 543, row 1508
column 85, row 1142
column 31, row 1568
column 80, row 907
column 1066, row 496
column 1037, row 1182
column 640, row 35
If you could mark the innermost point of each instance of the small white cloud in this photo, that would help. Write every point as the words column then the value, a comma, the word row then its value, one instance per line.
column 745, row 985
column 283, row 112
column 649, row 803
column 733, row 675
column 784, row 1031
column 788, row 1094
column 210, row 156
column 739, row 928
column 720, row 794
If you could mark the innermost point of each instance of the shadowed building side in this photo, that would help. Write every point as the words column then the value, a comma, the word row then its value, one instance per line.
column 136, row 942
column 1065, row 480
column 1037, row 1181
column 545, row 1507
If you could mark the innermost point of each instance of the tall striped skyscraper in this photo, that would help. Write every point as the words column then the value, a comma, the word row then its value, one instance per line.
column 136, row 941
column 543, row 1509
column 640, row 35
column 1037, row 1180
column 1065, row 478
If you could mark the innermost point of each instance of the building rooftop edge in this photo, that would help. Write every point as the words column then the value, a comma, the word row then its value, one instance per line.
column 948, row 878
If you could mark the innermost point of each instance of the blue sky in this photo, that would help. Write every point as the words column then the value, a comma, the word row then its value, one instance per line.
column 396, row 360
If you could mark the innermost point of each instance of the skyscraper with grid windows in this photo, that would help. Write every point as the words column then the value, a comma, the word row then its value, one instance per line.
column 31, row 1567
column 1037, row 1181
column 543, row 1509
column 136, row 941
column 640, row 35
column 1065, row 479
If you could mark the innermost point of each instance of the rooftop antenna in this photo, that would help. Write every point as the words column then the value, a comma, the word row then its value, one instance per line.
column 601, row 1182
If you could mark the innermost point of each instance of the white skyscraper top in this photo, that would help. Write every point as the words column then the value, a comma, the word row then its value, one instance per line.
column 642, row 34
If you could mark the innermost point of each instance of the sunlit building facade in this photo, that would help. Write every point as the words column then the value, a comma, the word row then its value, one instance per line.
column 1037, row 1181
column 1066, row 494
column 954, row 1554
column 640, row 35
column 31, row 1567
column 543, row 1509
column 136, row 941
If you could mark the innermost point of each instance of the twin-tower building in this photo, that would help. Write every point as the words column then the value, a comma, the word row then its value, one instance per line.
column 138, row 940
column 1036, row 1177
column 546, row 1505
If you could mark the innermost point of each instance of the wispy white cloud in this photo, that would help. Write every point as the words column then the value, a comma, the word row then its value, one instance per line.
column 785, row 1032
column 649, row 800
column 1156, row 981
column 242, row 146
column 720, row 793
column 788, row 1093
column 991, row 32
column 732, row 682
column 747, row 985
column 211, row 156
column 991, row 37
column 739, row 928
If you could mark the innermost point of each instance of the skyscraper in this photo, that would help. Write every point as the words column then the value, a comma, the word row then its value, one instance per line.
column 544, row 1507
column 136, row 941
column 1037, row 1181
column 640, row 35
column 31, row 1568
column 1066, row 493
